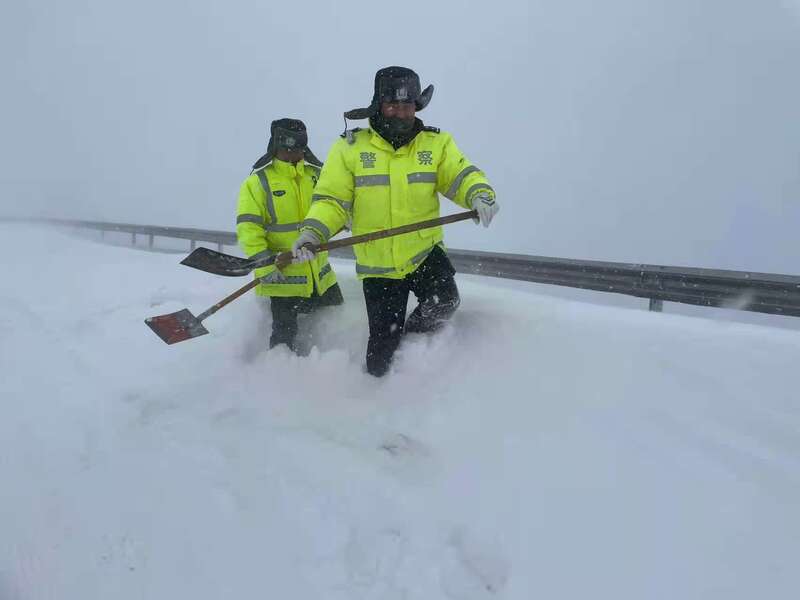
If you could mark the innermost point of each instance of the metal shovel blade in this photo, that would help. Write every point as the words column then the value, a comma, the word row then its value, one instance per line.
column 176, row 327
column 218, row 263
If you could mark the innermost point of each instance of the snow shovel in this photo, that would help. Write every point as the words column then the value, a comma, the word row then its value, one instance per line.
column 219, row 263
column 183, row 325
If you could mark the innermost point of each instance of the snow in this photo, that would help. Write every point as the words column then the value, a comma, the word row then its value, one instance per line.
column 535, row 448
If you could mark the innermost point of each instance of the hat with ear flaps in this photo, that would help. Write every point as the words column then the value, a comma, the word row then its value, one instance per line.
column 287, row 134
column 394, row 84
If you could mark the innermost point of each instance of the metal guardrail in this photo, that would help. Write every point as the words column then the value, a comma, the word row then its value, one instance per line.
column 755, row 292
column 220, row 238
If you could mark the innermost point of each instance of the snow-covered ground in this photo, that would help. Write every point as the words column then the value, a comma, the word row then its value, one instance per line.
column 536, row 448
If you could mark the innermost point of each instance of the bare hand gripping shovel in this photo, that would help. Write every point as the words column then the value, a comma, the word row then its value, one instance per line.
column 183, row 325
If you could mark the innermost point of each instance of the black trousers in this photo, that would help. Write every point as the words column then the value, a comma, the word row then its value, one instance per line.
column 285, row 311
column 433, row 284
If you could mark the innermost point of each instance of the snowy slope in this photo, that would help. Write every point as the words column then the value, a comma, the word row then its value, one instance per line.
column 536, row 448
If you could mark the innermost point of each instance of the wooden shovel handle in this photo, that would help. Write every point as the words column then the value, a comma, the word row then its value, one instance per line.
column 285, row 258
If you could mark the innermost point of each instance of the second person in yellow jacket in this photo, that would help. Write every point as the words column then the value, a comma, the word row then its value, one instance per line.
column 273, row 201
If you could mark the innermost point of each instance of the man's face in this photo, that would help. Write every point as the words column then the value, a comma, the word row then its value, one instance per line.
column 292, row 156
column 405, row 111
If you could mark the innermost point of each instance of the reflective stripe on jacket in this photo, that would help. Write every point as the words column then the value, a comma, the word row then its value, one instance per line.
column 272, row 204
column 380, row 187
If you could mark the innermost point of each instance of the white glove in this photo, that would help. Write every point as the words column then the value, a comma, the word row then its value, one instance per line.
column 300, row 251
column 486, row 206
column 275, row 276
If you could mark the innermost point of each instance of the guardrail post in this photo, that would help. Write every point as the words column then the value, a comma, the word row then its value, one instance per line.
column 150, row 242
column 133, row 238
column 219, row 246
column 192, row 245
column 656, row 305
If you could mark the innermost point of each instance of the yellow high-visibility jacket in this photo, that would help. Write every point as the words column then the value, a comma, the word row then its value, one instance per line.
column 272, row 204
column 365, row 178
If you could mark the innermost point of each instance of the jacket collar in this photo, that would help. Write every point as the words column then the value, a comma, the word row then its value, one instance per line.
column 381, row 143
column 288, row 169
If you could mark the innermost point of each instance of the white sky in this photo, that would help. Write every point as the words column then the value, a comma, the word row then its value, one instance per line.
column 637, row 130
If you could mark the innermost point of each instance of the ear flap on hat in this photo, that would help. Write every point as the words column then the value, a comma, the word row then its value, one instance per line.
column 309, row 157
column 424, row 98
column 362, row 113
column 262, row 162
column 266, row 158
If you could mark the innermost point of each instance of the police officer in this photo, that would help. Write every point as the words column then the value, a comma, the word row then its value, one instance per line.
column 272, row 203
column 388, row 175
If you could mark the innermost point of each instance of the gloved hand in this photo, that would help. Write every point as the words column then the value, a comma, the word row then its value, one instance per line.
column 300, row 251
column 274, row 276
column 486, row 206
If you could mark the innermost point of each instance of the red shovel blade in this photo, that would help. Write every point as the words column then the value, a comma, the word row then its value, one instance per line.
column 176, row 327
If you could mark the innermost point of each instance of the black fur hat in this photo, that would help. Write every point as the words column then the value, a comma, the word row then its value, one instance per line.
column 394, row 84
column 287, row 133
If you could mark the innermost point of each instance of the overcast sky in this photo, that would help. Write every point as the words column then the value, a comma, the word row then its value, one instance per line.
column 662, row 131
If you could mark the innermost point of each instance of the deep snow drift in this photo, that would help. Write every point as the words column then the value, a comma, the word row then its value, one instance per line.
column 536, row 448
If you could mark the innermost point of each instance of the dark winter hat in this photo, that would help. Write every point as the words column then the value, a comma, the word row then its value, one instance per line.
column 394, row 84
column 287, row 134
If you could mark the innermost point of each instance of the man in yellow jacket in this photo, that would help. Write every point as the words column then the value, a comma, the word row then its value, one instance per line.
column 272, row 203
column 388, row 175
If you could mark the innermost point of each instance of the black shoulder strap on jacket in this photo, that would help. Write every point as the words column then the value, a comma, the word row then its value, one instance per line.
column 431, row 129
column 349, row 135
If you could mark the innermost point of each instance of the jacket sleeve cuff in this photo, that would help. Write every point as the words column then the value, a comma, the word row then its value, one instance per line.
column 477, row 189
column 318, row 227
